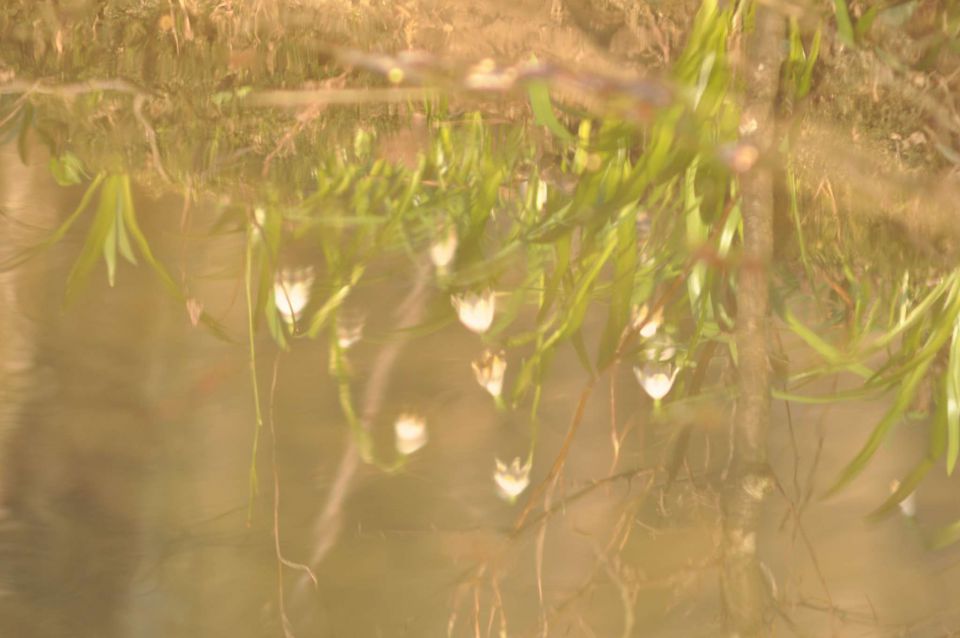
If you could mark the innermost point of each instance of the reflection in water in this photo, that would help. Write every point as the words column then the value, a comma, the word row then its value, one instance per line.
column 335, row 270
column 291, row 293
column 489, row 370
column 512, row 480
column 125, row 480
column 411, row 432
column 476, row 310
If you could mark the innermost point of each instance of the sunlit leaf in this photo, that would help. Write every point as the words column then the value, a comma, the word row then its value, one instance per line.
column 944, row 536
column 94, row 244
column 844, row 26
column 625, row 267
column 952, row 400
column 882, row 429
column 140, row 239
column 67, row 169
column 543, row 114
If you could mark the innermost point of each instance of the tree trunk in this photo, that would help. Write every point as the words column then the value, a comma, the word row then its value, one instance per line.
column 749, row 479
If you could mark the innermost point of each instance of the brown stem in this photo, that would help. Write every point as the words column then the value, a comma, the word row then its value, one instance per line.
column 743, row 587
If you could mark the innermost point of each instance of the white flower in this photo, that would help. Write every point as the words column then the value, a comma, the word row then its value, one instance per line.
column 444, row 248
column 411, row 433
column 291, row 292
column 512, row 480
column 489, row 370
column 475, row 310
column 656, row 377
column 648, row 326
column 349, row 329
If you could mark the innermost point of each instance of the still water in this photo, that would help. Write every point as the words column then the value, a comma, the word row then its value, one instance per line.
column 126, row 446
column 302, row 349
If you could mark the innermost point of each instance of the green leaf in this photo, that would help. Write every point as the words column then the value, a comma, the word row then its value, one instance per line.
column 625, row 269
column 96, row 238
column 67, row 170
column 827, row 351
column 906, row 487
column 133, row 225
column 806, row 76
column 844, row 26
column 110, row 250
column 123, row 239
column 944, row 536
column 334, row 302
column 952, row 385
column 882, row 429
column 581, row 349
column 543, row 114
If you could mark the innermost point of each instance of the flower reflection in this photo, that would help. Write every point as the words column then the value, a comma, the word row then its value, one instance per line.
column 512, row 480
column 291, row 292
column 647, row 324
column 656, row 378
column 475, row 310
column 489, row 370
column 411, row 433
column 660, row 348
column 485, row 76
column 349, row 329
column 444, row 248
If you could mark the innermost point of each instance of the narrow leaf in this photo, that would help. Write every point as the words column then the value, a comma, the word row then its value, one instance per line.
column 882, row 429
column 543, row 114
column 96, row 238
column 844, row 26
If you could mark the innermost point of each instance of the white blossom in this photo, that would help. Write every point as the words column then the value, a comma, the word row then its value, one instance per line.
column 512, row 480
column 291, row 292
column 349, row 329
column 411, row 433
column 444, row 248
column 489, row 370
column 647, row 325
column 475, row 310
column 656, row 378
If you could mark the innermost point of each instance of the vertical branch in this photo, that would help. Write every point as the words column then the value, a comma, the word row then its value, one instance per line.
column 742, row 583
